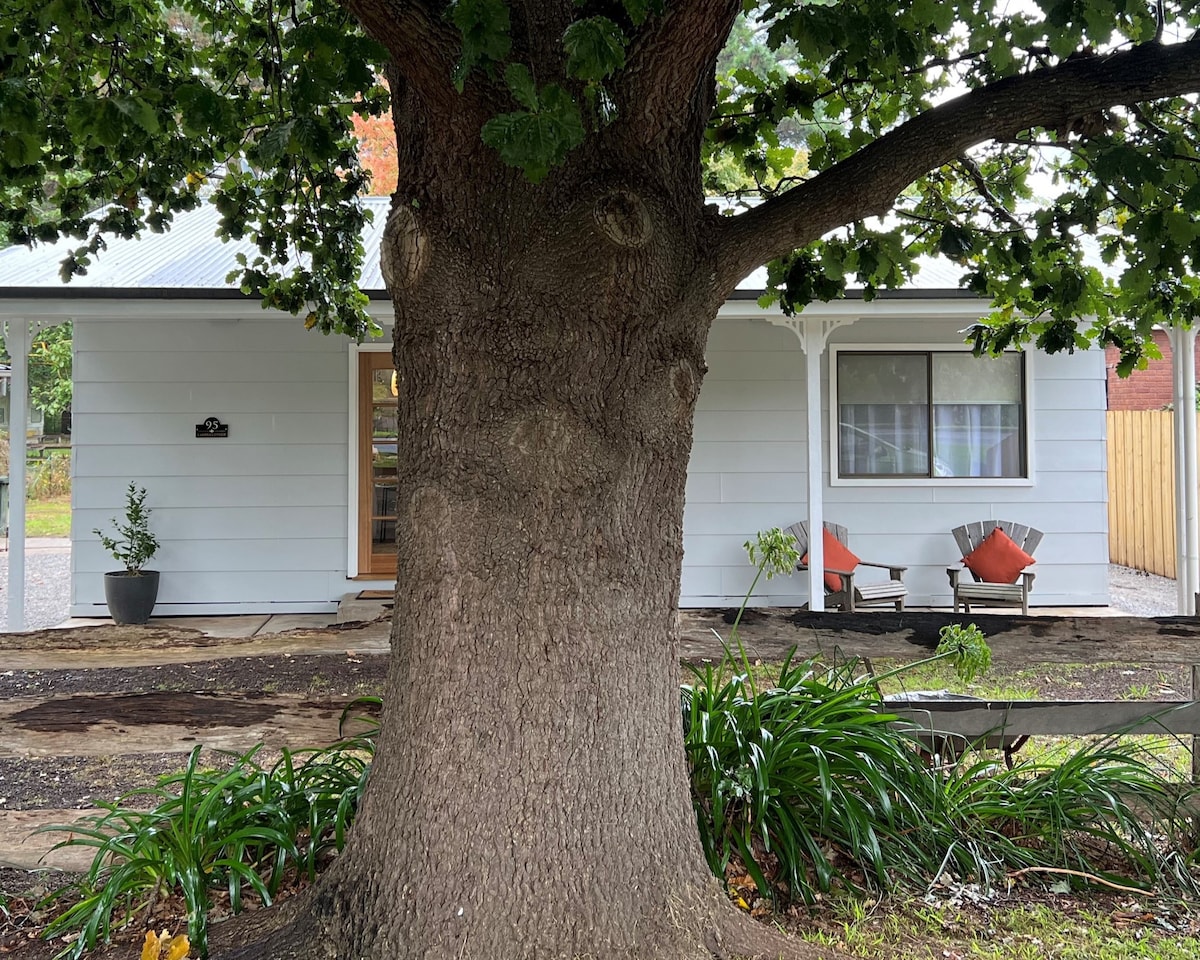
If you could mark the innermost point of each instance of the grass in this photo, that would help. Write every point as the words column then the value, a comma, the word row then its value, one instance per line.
column 1064, row 929
column 50, row 517
column 1000, row 683
column 50, row 476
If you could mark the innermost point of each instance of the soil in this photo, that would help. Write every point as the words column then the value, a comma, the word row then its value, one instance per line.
column 63, row 782
column 342, row 673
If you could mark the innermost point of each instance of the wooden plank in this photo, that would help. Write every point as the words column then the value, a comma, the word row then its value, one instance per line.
column 1195, row 739
column 22, row 848
column 110, row 724
column 1016, row 718
column 1120, row 484
column 1128, row 480
column 1140, row 487
column 1152, row 505
column 1162, row 496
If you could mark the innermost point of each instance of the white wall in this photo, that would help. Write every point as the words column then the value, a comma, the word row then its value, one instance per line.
column 259, row 522
column 749, row 468
column 253, row 523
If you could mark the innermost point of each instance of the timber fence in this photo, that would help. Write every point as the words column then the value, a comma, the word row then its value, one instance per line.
column 1141, row 490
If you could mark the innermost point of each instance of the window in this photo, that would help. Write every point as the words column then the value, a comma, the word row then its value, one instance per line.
column 929, row 414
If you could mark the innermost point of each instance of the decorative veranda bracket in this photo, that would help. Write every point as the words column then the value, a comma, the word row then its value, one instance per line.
column 814, row 330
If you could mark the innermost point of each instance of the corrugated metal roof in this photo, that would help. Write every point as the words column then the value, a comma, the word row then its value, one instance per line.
column 188, row 256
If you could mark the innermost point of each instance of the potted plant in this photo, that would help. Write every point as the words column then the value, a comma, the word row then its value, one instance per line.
column 131, row 593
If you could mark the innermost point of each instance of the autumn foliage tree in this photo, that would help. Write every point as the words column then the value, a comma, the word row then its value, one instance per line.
column 555, row 268
column 377, row 151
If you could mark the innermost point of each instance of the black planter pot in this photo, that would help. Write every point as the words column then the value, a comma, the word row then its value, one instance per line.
column 130, row 596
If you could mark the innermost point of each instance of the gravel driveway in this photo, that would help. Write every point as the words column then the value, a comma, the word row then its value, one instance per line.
column 47, row 583
column 1140, row 594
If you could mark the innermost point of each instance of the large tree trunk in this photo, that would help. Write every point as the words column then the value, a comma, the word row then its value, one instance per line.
column 529, row 796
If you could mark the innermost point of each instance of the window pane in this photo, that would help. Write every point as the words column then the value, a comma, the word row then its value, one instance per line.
column 883, row 415
column 383, row 420
column 381, row 383
column 879, row 439
column 383, row 536
column 883, row 378
column 977, row 416
column 965, row 378
column 977, row 440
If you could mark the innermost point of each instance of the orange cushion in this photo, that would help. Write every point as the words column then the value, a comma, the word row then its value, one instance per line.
column 998, row 559
column 838, row 557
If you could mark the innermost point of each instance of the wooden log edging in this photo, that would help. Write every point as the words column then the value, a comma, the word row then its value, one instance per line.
column 770, row 633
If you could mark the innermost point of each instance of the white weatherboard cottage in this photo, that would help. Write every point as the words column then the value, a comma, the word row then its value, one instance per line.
column 290, row 512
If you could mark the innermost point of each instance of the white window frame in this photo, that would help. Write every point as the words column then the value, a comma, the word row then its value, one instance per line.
column 835, row 480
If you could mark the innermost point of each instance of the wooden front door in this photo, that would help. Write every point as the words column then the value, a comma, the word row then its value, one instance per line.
column 376, row 466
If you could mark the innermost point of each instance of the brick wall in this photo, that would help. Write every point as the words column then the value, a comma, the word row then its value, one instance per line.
column 1148, row 389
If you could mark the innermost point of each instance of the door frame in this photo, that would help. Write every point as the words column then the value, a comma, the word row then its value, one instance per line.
column 354, row 570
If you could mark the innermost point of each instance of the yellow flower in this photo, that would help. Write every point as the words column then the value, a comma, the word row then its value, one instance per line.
column 150, row 947
column 160, row 946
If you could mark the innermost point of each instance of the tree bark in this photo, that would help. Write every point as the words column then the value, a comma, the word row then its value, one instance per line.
column 528, row 796
column 543, row 811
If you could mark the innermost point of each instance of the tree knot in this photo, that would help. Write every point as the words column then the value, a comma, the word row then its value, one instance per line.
column 404, row 253
column 624, row 219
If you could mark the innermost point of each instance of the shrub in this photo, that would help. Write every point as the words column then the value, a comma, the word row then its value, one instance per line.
column 807, row 774
column 134, row 545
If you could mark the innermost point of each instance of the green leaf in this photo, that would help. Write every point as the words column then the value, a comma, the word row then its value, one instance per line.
column 274, row 143
column 200, row 108
column 484, row 25
column 956, row 241
column 22, row 149
column 537, row 140
column 520, row 83
column 639, row 10
column 1000, row 57
column 139, row 111
column 595, row 48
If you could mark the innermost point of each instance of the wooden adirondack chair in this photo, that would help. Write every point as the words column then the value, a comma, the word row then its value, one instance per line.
column 971, row 535
column 854, row 593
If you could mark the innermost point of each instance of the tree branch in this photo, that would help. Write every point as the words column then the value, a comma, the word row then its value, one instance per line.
column 424, row 45
column 983, row 188
column 867, row 183
column 668, row 61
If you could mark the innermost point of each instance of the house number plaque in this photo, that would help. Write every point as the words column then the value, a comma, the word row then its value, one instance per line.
column 212, row 429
